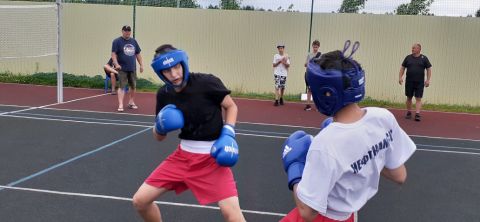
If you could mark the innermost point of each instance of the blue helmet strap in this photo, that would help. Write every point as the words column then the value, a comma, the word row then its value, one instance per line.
column 346, row 79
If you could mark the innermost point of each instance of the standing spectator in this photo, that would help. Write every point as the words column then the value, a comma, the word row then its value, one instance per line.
column 125, row 50
column 314, row 54
column 415, row 82
column 112, row 73
column 281, row 62
column 192, row 102
column 335, row 173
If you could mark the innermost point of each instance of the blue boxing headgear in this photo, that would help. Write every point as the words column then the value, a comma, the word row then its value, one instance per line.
column 169, row 60
column 333, row 89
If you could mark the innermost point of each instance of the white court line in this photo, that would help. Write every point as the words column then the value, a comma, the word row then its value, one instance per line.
column 263, row 124
column 448, row 151
column 78, row 121
column 450, row 147
column 53, row 104
column 84, row 118
column 245, row 134
column 130, row 200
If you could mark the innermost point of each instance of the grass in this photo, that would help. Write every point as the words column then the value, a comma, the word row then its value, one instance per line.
column 144, row 85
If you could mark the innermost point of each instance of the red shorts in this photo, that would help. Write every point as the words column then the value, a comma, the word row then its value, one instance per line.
column 294, row 216
column 200, row 173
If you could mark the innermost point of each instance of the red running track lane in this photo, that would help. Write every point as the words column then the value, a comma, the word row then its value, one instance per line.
column 433, row 124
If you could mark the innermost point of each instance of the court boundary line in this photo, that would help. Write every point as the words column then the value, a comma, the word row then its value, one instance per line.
column 241, row 98
column 130, row 200
column 76, row 121
column 265, row 124
column 57, row 165
column 53, row 104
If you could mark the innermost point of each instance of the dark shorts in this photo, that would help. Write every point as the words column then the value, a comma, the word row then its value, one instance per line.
column 414, row 89
column 306, row 82
column 129, row 78
column 280, row 81
column 110, row 75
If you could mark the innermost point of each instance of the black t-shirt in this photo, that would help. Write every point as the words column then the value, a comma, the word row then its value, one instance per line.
column 200, row 103
column 416, row 67
column 110, row 63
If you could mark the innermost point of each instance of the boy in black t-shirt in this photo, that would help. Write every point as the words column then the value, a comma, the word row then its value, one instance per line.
column 112, row 73
column 415, row 64
column 192, row 102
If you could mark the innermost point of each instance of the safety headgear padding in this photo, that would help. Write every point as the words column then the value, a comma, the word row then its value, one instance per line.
column 333, row 89
column 169, row 60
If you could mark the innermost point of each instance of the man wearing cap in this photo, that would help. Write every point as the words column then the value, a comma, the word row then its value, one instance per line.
column 125, row 50
column 281, row 62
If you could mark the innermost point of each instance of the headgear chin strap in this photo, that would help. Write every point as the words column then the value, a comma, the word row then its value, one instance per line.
column 333, row 89
column 169, row 60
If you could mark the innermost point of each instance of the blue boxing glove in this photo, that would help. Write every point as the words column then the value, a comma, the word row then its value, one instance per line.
column 294, row 156
column 168, row 119
column 225, row 149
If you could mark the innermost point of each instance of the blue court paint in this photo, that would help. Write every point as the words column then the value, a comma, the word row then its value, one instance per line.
column 73, row 159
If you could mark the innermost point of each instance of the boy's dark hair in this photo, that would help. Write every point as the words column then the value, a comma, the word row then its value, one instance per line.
column 163, row 49
column 316, row 42
column 336, row 60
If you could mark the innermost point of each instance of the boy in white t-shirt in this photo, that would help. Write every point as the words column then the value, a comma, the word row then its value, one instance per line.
column 334, row 174
column 281, row 62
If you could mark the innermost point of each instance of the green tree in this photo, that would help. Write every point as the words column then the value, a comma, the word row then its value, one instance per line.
column 415, row 7
column 351, row 6
column 230, row 4
column 478, row 13
column 248, row 8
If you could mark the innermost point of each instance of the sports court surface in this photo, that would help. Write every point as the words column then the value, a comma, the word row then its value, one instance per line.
column 82, row 161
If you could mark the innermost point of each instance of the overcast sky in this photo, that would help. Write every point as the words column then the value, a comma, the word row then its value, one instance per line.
column 438, row 7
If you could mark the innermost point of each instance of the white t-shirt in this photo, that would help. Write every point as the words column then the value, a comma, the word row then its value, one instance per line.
column 280, row 70
column 344, row 162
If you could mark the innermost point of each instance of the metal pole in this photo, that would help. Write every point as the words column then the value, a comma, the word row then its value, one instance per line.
column 59, row 53
column 178, row 3
column 310, row 35
column 134, row 15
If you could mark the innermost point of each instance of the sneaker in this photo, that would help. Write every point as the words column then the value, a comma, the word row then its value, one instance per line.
column 307, row 108
column 417, row 117
column 409, row 115
column 281, row 101
column 132, row 106
column 276, row 103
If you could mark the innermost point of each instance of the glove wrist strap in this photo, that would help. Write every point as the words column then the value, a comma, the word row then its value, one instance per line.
column 230, row 127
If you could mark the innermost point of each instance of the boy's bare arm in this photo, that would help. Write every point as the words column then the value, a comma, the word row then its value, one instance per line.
column 398, row 175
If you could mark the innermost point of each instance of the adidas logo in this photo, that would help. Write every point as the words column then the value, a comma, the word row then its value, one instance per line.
column 286, row 150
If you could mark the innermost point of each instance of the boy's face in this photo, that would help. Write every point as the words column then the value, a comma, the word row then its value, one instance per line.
column 174, row 74
column 315, row 48
column 281, row 49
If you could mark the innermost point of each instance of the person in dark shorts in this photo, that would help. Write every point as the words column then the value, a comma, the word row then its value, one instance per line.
column 416, row 64
column 314, row 54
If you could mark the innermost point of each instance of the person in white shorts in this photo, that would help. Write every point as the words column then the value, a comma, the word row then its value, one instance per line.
column 335, row 173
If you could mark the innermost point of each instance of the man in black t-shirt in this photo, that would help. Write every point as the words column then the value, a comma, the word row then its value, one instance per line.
column 192, row 102
column 416, row 64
